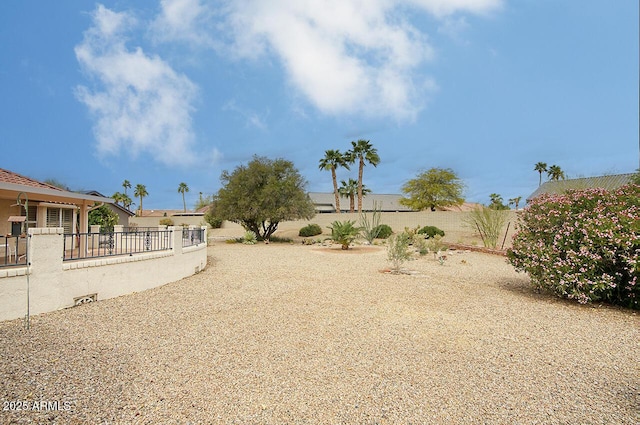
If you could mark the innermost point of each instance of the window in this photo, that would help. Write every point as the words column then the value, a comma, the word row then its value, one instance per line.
column 60, row 217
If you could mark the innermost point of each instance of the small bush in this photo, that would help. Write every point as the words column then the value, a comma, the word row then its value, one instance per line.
column 489, row 223
column 310, row 230
column 431, row 231
column 166, row 222
column 249, row 238
column 583, row 245
column 280, row 239
column 384, row 231
column 398, row 250
column 435, row 245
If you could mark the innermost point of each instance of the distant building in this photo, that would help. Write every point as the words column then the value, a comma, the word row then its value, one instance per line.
column 325, row 203
column 122, row 213
column 554, row 187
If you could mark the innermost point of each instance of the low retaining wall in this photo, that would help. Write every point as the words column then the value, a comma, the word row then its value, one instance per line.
column 54, row 284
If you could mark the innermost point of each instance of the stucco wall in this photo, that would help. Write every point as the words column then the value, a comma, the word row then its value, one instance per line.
column 54, row 284
column 452, row 222
column 177, row 221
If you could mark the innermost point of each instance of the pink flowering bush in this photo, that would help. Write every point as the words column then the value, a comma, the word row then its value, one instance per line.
column 583, row 245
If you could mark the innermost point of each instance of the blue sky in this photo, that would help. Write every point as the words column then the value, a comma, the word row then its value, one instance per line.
column 163, row 92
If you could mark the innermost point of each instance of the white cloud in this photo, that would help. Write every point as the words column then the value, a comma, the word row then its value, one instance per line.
column 142, row 104
column 185, row 21
column 346, row 56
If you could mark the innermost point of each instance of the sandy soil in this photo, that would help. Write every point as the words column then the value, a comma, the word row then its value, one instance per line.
column 273, row 334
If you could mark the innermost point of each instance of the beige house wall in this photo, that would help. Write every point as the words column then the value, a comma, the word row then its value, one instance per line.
column 54, row 284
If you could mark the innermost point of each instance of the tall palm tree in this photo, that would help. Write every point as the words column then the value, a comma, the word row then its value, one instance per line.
column 333, row 159
column 127, row 185
column 556, row 173
column 140, row 192
column 363, row 151
column 515, row 201
column 350, row 190
column 540, row 167
column 182, row 188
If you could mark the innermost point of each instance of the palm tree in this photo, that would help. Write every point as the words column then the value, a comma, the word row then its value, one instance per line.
column 117, row 196
column 127, row 185
column 349, row 190
column 333, row 159
column 362, row 150
column 555, row 173
column 515, row 201
column 540, row 167
column 126, row 201
column 182, row 188
column 140, row 192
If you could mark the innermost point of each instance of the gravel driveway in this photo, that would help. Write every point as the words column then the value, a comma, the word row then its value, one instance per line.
column 275, row 334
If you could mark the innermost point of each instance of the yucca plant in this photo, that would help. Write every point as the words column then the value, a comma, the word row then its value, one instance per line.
column 344, row 232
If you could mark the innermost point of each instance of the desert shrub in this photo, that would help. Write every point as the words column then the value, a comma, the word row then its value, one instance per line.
column 398, row 249
column 211, row 218
column 370, row 226
column 489, row 223
column 435, row 245
column 431, row 231
column 344, row 232
column 166, row 222
column 249, row 238
column 384, row 231
column 310, row 230
column 583, row 245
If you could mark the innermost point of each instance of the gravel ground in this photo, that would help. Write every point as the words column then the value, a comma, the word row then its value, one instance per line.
column 273, row 334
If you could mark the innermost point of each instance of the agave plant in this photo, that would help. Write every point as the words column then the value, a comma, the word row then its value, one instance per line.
column 344, row 232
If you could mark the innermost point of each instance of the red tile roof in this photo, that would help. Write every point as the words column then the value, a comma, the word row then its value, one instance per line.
column 7, row 176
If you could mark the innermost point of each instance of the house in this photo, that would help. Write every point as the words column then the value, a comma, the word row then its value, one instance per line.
column 610, row 182
column 43, row 205
column 122, row 213
column 325, row 202
column 50, row 260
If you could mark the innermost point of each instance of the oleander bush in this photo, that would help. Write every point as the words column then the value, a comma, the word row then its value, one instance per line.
column 310, row 230
column 383, row 231
column 431, row 231
column 583, row 245
column 166, row 222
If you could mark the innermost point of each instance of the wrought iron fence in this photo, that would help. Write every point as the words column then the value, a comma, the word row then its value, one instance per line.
column 95, row 245
column 13, row 251
column 192, row 237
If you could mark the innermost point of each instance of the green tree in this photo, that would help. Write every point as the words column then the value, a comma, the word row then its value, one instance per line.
column 204, row 201
column 497, row 202
column 363, row 152
column 540, row 167
column 117, row 197
column 333, row 159
column 140, row 192
column 104, row 217
column 555, row 173
column 263, row 193
column 350, row 190
column 436, row 187
column 182, row 188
